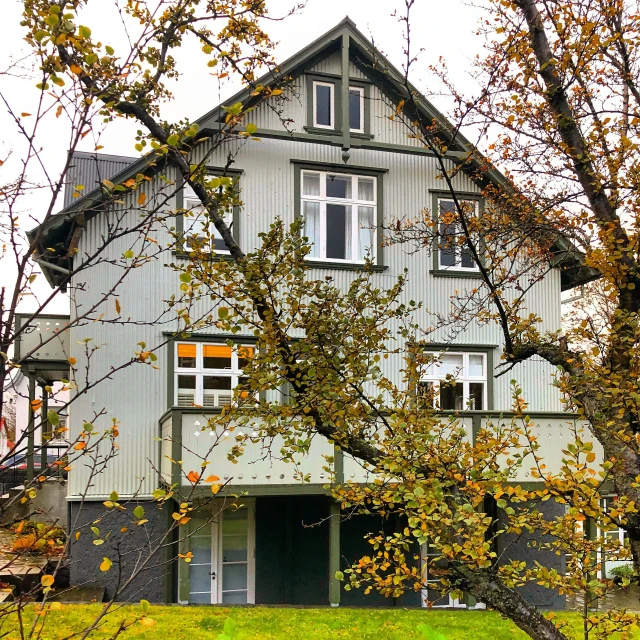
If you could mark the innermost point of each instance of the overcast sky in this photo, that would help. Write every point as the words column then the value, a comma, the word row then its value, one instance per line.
column 441, row 28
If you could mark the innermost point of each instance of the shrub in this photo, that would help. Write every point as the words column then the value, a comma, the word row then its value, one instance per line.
column 623, row 571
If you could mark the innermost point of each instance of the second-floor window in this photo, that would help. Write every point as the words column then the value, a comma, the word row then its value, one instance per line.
column 327, row 105
column 453, row 251
column 456, row 382
column 197, row 226
column 206, row 374
column 339, row 213
column 356, row 109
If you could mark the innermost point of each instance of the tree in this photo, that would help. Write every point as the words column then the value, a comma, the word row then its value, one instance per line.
column 441, row 487
column 81, row 86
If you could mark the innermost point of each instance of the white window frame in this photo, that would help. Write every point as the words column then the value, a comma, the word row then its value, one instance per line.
column 215, row 530
column 199, row 371
column 193, row 224
column 360, row 90
column 353, row 203
column 457, row 247
column 332, row 105
column 435, row 377
column 619, row 533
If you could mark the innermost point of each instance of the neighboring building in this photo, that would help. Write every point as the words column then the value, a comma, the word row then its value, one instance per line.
column 341, row 173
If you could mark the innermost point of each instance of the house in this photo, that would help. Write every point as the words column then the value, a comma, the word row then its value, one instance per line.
column 343, row 164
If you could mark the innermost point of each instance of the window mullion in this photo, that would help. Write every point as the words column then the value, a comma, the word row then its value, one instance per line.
column 323, row 229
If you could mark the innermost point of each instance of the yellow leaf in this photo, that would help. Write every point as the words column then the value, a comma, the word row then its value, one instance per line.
column 591, row 456
column 80, row 445
column 105, row 565
column 55, row 606
column 75, row 69
column 47, row 580
column 124, row 529
column 193, row 477
column 212, row 479
column 36, row 404
column 24, row 114
column 117, row 306
column 147, row 622
column 72, row 361
column 77, row 535
column 142, row 198
column 215, row 488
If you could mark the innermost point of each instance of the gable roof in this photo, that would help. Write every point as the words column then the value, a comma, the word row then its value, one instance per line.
column 59, row 232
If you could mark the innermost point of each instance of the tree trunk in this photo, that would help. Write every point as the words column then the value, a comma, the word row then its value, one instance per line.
column 484, row 586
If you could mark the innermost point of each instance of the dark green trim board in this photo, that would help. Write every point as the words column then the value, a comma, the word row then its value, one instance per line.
column 344, row 93
column 335, row 587
column 176, row 447
column 376, row 172
column 436, row 194
column 343, row 266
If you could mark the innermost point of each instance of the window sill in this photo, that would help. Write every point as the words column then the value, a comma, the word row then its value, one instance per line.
column 344, row 266
column 337, row 132
column 453, row 273
column 209, row 256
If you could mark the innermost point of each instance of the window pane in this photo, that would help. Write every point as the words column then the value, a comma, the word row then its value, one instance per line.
column 365, row 189
column 355, row 106
column 216, row 382
column 187, row 356
column 447, row 245
column 200, row 598
column 323, row 104
column 451, row 396
column 366, row 232
column 200, row 579
column 476, row 396
column 451, row 364
column 447, row 206
column 310, row 184
column 186, row 382
column 234, row 576
column 476, row 366
column 311, row 213
column 338, row 231
column 338, row 186
column 234, row 597
column 244, row 355
column 234, row 548
column 216, row 356
column 425, row 394
column 466, row 258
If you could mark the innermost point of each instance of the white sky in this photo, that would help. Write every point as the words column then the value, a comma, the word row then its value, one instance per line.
column 441, row 28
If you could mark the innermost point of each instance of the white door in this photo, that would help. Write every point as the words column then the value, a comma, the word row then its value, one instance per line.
column 432, row 593
column 222, row 569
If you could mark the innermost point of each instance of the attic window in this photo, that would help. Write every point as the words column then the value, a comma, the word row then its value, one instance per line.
column 323, row 104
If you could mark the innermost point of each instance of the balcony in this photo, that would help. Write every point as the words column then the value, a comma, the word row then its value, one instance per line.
column 42, row 345
column 260, row 471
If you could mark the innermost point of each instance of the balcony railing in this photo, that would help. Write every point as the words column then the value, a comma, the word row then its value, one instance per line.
column 42, row 338
column 262, row 468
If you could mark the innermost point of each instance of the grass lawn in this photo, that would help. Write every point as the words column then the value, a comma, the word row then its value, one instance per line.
column 265, row 623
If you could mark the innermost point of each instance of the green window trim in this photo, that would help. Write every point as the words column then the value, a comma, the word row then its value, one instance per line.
column 336, row 80
column 180, row 250
column 488, row 350
column 378, row 173
column 437, row 271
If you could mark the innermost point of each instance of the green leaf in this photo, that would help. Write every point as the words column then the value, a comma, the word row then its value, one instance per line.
column 52, row 417
column 339, row 576
column 251, row 128
column 128, row 254
column 145, row 606
column 138, row 512
column 84, row 32
column 114, row 496
column 501, row 503
column 173, row 139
